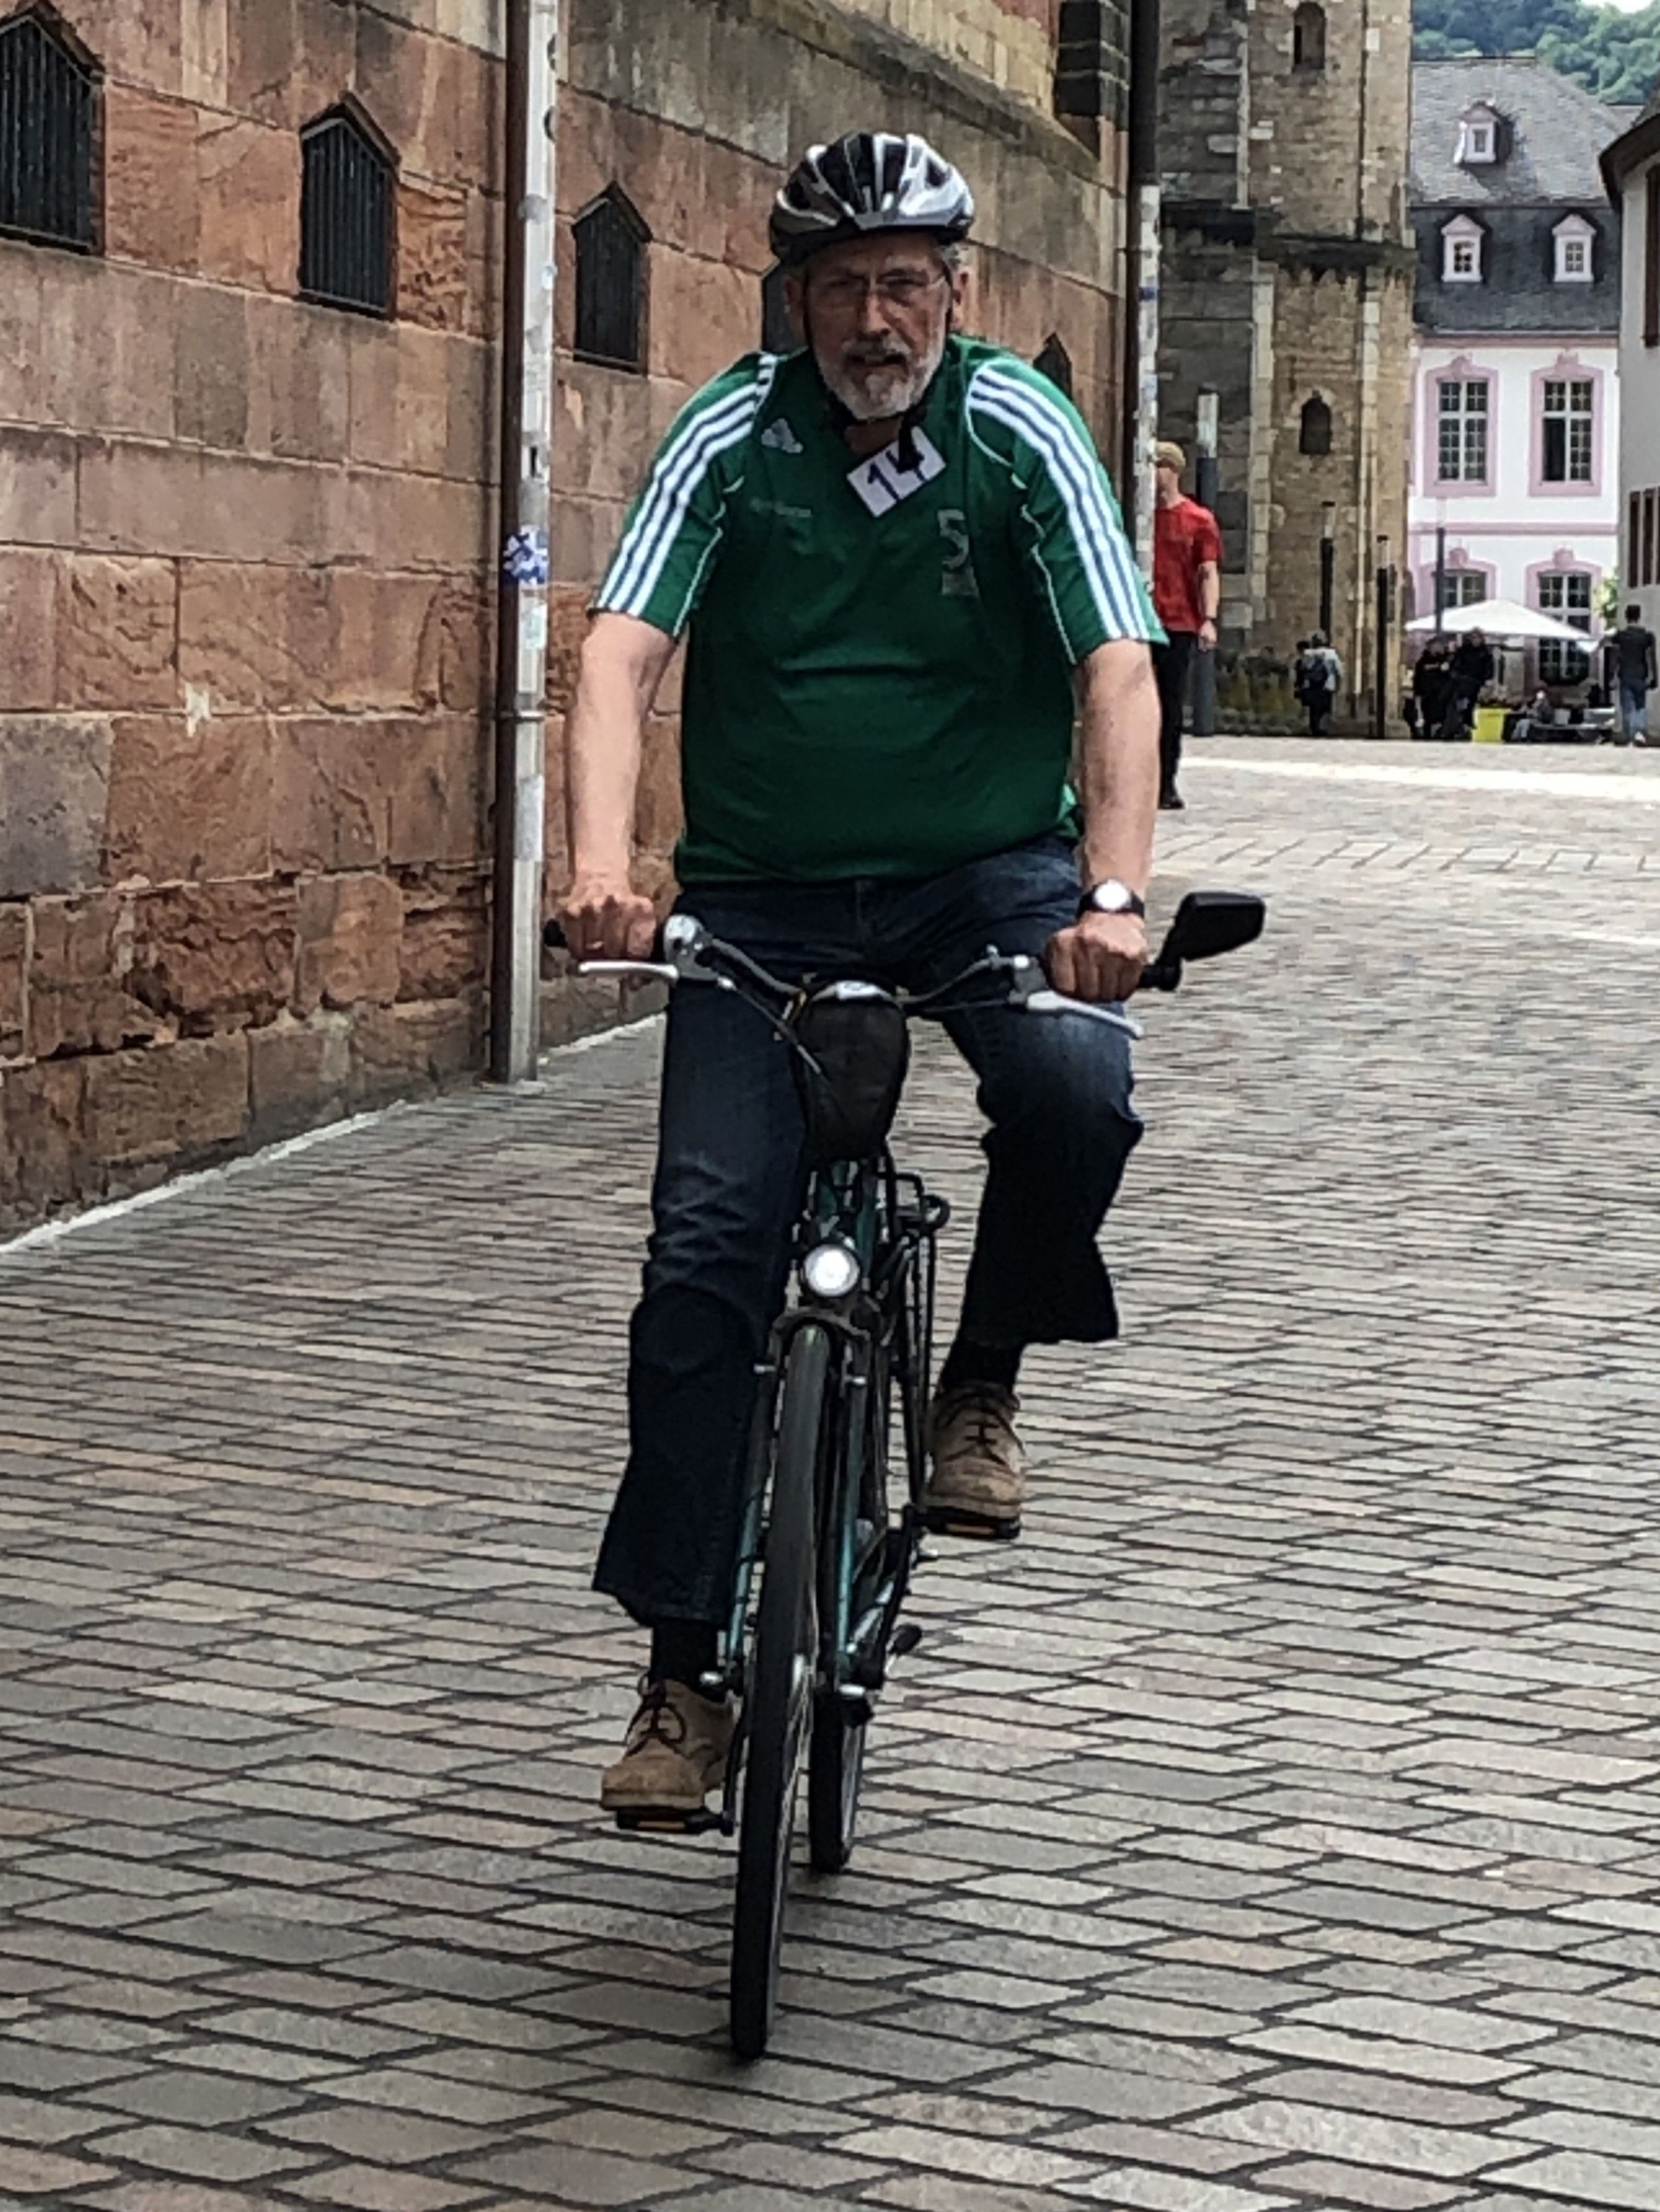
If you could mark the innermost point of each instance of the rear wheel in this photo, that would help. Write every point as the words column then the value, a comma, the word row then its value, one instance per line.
column 778, row 1696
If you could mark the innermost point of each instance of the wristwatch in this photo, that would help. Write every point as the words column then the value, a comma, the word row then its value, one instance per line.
column 1111, row 897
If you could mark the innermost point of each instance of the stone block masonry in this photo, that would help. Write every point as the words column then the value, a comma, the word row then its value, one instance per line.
column 246, row 540
column 245, row 606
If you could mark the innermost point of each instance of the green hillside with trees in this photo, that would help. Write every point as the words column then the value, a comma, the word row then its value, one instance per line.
column 1616, row 56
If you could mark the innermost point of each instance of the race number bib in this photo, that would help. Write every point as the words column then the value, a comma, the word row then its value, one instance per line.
column 880, row 481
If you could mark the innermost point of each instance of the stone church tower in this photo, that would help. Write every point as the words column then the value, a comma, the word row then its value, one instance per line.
column 1286, row 290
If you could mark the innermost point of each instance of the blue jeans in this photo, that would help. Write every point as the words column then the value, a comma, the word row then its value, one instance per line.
column 730, row 1183
column 1633, row 709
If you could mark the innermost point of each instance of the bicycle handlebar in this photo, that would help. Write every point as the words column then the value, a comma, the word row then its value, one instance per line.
column 684, row 951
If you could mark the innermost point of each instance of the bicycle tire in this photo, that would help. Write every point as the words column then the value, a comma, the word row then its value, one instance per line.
column 780, row 1678
column 836, row 1756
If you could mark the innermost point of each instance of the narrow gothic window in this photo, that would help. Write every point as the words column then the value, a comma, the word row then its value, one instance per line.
column 777, row 332
column 1314, row 433
column 1567, row 595
column 1461, row 430
column 610, row 282
column 1568, row 423
column 348, row 199
column 1308, row 37
column 1056, row 362
column 48, row 119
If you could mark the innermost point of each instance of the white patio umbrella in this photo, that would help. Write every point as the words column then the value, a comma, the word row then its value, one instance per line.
column 1505, row 619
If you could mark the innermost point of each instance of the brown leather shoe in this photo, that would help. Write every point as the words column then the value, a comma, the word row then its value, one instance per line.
column 674, row 1753
column 978, row 1482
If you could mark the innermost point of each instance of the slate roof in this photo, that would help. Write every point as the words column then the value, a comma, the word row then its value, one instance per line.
column 1551, row 132
column 1557, row 130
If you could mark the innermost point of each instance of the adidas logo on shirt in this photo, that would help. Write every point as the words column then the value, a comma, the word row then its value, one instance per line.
column 779, row 436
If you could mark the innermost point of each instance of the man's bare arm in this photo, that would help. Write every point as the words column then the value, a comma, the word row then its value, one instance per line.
column 623, row 663
column 1102, row 956
column 1210, row 598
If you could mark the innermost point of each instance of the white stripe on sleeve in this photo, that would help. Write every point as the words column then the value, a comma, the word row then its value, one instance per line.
column 1099, row 538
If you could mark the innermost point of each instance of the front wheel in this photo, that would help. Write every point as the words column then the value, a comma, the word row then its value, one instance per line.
column 779, row 1695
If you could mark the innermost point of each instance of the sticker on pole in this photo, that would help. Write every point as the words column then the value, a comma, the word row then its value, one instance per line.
column 524, row 558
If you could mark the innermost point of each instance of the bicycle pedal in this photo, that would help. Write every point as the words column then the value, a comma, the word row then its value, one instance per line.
column 978, row 1527
column 667, row 1823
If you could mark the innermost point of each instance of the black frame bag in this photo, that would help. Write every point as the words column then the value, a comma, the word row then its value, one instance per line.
column 859, row 1036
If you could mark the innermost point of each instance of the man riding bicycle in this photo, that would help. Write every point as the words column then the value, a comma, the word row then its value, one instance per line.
column 905, row 580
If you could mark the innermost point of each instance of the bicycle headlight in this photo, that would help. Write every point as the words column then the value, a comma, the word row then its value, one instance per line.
column 831, row 1271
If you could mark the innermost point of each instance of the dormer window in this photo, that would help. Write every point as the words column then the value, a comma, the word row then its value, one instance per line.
column 1478, row 137
column 1461, row 251
column 1572, row 240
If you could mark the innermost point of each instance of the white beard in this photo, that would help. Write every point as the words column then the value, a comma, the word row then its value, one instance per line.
column 878, row 393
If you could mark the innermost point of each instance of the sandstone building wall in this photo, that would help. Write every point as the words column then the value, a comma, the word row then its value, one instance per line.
column 1286, row 278
column 247, row 543
column 243, row 546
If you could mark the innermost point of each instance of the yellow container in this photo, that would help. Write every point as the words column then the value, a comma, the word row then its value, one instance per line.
column 1489, row 728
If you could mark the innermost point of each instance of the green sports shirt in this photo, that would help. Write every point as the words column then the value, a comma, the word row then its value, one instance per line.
column 879, row 672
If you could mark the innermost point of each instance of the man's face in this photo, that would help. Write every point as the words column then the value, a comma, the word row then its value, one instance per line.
column 876, row 313
column 1168, row 483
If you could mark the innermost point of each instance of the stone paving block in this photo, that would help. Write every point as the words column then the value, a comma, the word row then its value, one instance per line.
column 1584, row 2177
column 376, row 2137
column 197, row 2154
column 1328, row 2183
column 373, row 2188
column 573, row 2177
column 46, row 2175
column 1357, row 2138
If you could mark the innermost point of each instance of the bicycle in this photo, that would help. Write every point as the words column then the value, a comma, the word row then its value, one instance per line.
column 846, row 1377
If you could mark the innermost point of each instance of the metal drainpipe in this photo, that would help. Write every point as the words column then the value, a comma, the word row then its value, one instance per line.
column 527, row 382
column 1140, row 426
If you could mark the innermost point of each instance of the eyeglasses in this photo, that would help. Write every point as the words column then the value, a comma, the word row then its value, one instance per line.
column 899, row 288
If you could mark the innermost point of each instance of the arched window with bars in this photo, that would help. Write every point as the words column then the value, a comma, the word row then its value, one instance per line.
column 49, row 117
column 348, row 213
column 1055, row 364
column 1314, row 429
column 1308, row 36
column 612, row 238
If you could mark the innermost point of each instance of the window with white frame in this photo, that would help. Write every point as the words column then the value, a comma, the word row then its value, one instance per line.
column 1478, row 137
column 1462, row 588
column 1461, row 251
column 1566, row 593
column 1462, row 418
column 1567, row 426
column 1572, row 239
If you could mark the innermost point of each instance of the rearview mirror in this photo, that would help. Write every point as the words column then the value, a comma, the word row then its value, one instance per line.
column 1209, row 922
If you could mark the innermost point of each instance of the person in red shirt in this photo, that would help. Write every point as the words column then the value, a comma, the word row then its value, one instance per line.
column 1187, row 592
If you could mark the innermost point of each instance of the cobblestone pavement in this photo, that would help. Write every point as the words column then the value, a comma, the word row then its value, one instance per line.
column 1275, row 1827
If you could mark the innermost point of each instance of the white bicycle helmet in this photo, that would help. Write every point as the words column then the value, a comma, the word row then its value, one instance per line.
column 870, row 180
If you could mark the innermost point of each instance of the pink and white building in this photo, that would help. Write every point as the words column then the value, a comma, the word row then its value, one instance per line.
column 1516, row 431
